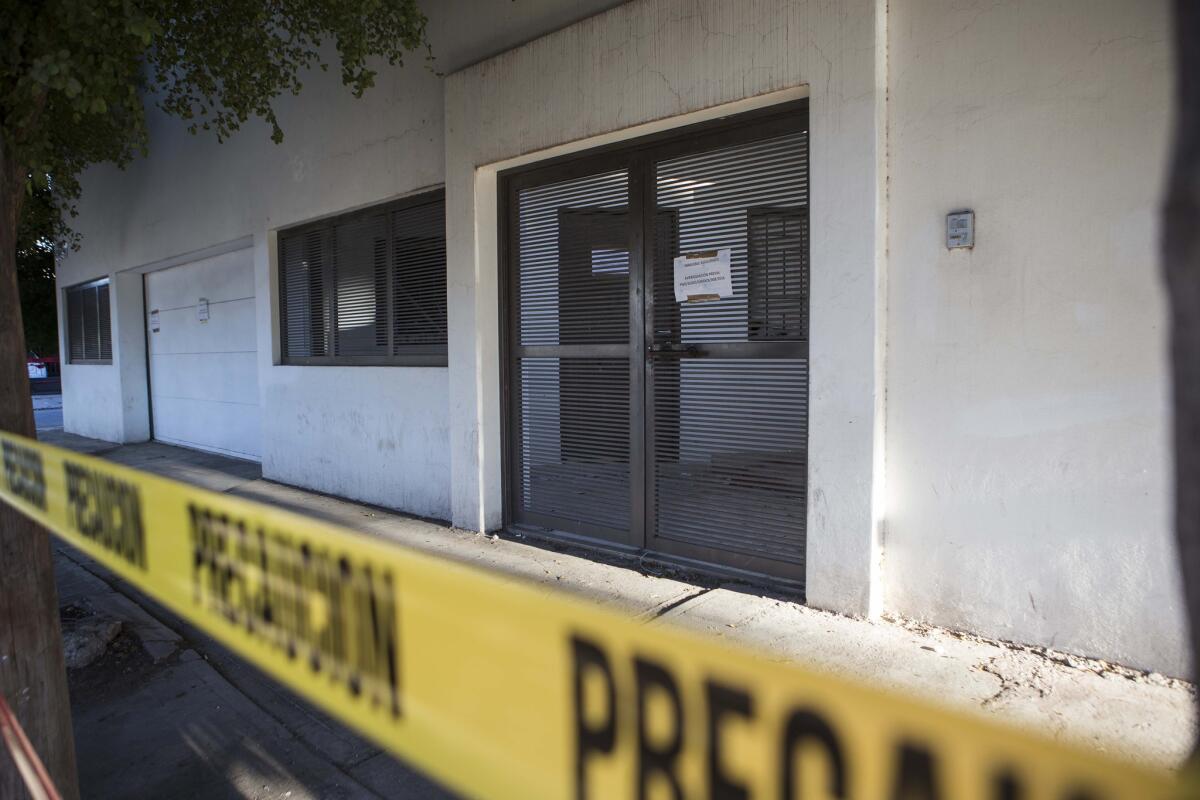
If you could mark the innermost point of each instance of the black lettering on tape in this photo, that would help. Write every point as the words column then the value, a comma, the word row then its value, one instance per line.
column 342, row 616
column 1083, row 794
column 724, row 701
column 916, row 774
column 588, row 658
column 657, row 758
column 108, row 511
column 310, row 573
column 1005, row 786
column 807, row 727
column 379, row 648
column 24, row 474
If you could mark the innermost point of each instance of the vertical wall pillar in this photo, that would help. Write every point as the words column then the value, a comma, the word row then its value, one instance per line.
column 129, row 354
column 846, row 457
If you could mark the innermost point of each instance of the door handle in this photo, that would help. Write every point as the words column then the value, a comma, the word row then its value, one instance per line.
column 683, row 350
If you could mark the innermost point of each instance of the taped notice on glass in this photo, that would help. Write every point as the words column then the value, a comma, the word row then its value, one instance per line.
column 703, row 276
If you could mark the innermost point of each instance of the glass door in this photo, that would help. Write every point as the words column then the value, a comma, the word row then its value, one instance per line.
column 727, row 376
column 574, row 264
column 642, row 414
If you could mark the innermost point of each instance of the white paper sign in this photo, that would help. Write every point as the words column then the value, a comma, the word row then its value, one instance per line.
column 703, row 276
column 202, row 310
column 155, row 326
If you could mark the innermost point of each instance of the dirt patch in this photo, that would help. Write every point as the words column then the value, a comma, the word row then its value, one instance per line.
column 86, row 635
column 121, row 670
column 72, row 613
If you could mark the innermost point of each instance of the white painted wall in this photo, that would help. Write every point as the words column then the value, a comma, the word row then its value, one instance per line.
column 645, row 66
column 1027, row 426
column 1024, row 438
column 91, row 392
column 194, row 194
column 108, row 401
column 204, row 372
column 193, row 198
column 385, row 441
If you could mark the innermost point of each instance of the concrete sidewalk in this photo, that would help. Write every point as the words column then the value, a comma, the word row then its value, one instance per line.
column 1146, row 717
column 47, row 412
column 181, row 717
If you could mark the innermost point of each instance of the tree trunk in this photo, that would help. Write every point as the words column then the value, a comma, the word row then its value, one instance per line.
column 1181, row 265
column 33, row 677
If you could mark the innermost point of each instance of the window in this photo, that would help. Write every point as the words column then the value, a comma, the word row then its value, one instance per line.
column 777, row 240
column 367, row 287
column 89, row 328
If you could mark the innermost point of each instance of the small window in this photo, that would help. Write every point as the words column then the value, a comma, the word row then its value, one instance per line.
column 367, row 287
column 778, row 273
column 89, row 327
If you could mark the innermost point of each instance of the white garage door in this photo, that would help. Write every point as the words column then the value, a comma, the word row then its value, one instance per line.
column 203, row 355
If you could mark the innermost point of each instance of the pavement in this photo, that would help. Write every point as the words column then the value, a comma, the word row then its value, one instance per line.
column 197, row 722
column 47, row 412
column 184, row 718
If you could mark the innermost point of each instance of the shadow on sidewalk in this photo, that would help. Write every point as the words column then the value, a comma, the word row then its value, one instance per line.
column 168, row 712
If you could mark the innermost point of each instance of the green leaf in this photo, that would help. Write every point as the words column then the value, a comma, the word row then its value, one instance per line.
column 76, row 92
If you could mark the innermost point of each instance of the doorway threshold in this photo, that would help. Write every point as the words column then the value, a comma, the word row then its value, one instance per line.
column 659, row 565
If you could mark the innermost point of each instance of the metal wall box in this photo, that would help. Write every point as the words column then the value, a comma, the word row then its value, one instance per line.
column 960, row 229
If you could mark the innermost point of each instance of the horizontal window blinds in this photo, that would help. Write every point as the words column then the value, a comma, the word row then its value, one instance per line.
column 361, row 273
column 730, row 422
column 367, row 287
column 89, row 324
column 638, row 419
column 419, row 289
column 573, row 241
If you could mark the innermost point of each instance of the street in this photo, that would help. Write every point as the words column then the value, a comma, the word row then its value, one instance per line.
column 47, row 412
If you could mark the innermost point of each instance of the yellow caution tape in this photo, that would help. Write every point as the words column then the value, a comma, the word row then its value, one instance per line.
column 503, row 689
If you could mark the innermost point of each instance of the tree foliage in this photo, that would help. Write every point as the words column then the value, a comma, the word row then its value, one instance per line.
column 35, row 272
column 76, row 78
column 76, row 75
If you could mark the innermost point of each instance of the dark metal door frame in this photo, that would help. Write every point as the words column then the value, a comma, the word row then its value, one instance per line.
column 660, row 352
column 146, row 344
column 638, row 157
column 512, row 349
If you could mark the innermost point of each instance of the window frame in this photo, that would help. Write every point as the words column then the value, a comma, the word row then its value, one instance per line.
column 428, row 355
column 68, row 292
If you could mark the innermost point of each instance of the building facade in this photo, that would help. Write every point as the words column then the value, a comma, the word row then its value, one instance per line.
column 466, row 296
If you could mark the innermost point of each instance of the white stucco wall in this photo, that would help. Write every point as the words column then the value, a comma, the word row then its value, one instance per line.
column 91, row 396
column 375, row 434
column 1013, row 479
column 652, row 64
column 1027, row 426
column 385, row 442
column 193, row 194
column 107, row 401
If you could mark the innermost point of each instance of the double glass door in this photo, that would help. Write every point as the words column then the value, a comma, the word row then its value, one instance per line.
column 641, row 416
